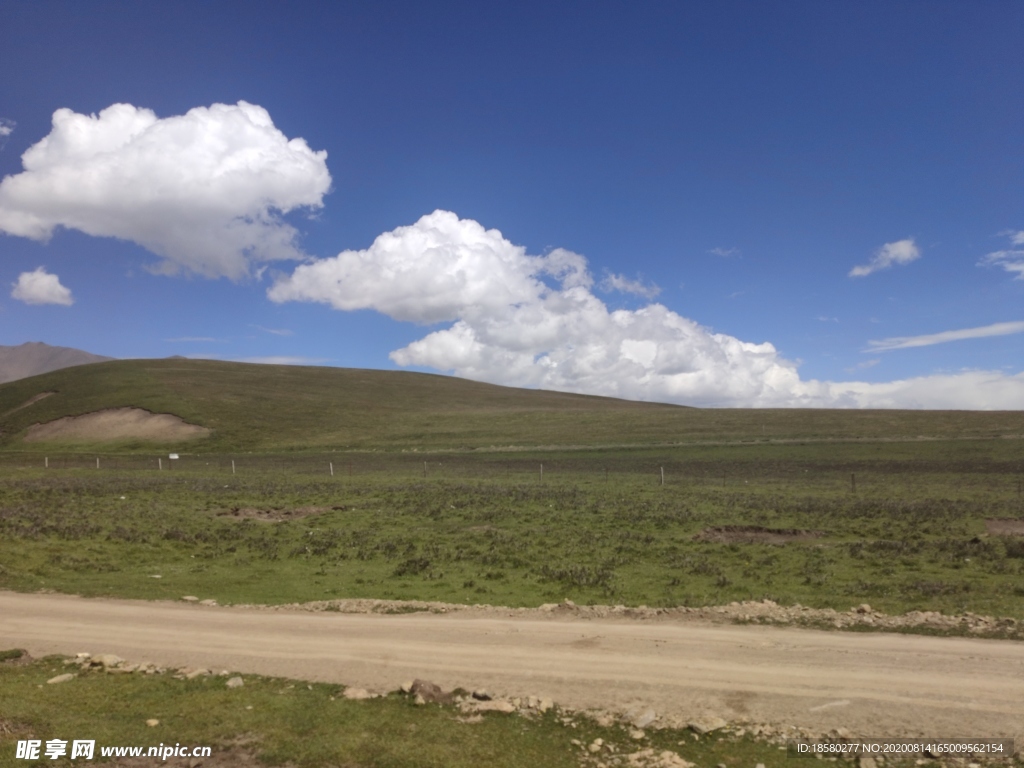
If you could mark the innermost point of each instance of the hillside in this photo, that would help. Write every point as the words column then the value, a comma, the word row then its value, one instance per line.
column 271, row 408
column 33, row 358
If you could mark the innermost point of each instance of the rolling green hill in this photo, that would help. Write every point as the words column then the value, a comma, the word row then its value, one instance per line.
column 275, row 408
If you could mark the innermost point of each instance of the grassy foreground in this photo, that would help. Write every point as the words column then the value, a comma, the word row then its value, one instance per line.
column 598, row 527
column 275, row 722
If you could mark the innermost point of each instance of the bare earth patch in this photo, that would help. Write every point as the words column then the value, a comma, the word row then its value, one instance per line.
column 1005, row 526
column 116, row 424
column 273, row 515
column 754, row 534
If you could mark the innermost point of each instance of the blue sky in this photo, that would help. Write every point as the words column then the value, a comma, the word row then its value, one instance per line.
column 730, row 203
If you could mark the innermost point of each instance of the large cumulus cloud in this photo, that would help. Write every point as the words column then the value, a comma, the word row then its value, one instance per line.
column 534, row 321
column 204, row 190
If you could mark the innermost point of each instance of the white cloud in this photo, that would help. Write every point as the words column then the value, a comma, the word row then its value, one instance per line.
column 40, row 287
column 6, row 129
column 1012, row 260
column 899, row 252
column 623, row 284
column 438, row 269
column 203, row 190
column 724, row 252
column 534, row 321
column 906, row 342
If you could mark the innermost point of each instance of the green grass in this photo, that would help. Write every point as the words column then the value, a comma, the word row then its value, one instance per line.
column 287, row 408
column 280, row 721
column 483, row 527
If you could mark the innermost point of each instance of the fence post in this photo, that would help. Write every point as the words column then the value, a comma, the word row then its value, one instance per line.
column 542, row 473
column 232, row 466
column 46, row 462
column 97, row 462
column 662, row 475
column 159, row 463
column 331, row 465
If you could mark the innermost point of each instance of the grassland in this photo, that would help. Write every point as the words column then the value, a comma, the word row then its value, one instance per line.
column 486, row 527
column 321, row 483
column 270, row 409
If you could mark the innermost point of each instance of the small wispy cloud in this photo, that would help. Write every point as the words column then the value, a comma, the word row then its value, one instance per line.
column 623, row 284
column 6, row 129
column 274, row 331
column 866, row 364
column 183, row 339
column 906, row 342
column 827, row 319
column 1012, row 259
column 900, row 252
column 725, row 253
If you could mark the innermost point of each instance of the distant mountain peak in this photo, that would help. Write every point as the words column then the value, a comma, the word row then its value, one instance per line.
column 35, row 357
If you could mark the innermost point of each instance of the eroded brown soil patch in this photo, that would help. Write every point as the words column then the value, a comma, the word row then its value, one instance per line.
column 273, row 515
column 754, row 534
column 116, row 424
column 1005, row 526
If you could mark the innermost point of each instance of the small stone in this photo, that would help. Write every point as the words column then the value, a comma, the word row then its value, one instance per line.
column 235, row 682
column 190, row 599
column 644, row 719
column 636, row 733
column 357, row 694
column 208, row 602
column 497, row 705
column 152, row 722
column 419, row 701
column 546, row 705
column 406, row 687
column 707, row 725
column 866, row 762
column 197, row 673
column 106, row 660
column 60, row 679
column 430, row 692
column 480, row 694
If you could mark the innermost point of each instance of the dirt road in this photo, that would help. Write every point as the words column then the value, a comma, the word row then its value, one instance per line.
column 874, row 685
